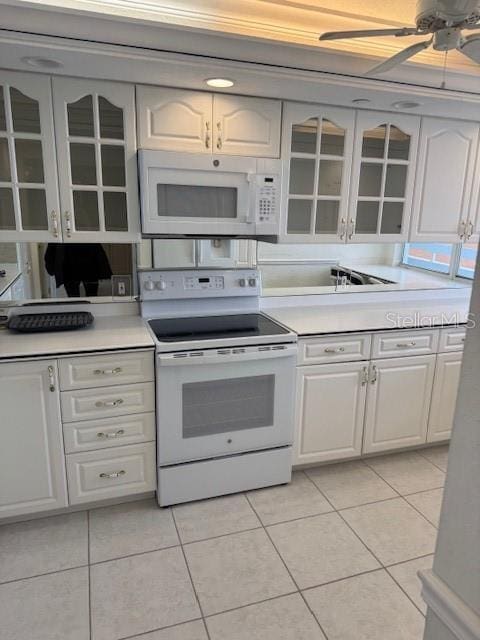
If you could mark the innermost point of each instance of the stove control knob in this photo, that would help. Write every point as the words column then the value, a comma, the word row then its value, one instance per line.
column 161, row 285
column 149, row 285
column 242, row 282
column 252, row 282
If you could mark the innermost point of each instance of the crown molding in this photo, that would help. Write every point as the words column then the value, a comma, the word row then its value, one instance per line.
column 282, row 21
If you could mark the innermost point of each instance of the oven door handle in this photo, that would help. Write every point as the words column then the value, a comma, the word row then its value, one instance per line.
column 224, row 356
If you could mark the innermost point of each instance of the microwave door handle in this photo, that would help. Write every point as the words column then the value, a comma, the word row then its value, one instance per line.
column 252, row 200
column 227, row 356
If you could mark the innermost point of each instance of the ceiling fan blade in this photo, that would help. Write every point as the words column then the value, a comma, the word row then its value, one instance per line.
column 399, row 57
column 368, row 33
column 471, row 47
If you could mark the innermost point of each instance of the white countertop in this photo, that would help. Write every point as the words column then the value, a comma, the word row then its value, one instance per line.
column 12, row 273
column 368, row 316
column 404, row 279
column 107, row 333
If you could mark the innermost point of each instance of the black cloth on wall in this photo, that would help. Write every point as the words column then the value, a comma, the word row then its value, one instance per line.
column 75, row 263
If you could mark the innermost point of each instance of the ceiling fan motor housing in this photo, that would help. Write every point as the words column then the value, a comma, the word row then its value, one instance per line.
column 438, row 14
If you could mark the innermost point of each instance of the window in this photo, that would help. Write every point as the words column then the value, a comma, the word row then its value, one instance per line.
column 431, row 256
column 455, row 260
column 468, row 259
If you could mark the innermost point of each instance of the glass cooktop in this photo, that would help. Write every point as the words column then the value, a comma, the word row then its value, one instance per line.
column 245, row 325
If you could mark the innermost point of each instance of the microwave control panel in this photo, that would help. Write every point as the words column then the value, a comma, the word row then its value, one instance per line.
column 267, row 198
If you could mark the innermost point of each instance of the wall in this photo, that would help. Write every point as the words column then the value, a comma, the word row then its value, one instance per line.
column 297, row 265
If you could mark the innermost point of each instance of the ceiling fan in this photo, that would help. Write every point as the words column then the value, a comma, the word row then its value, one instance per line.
column 443, row 20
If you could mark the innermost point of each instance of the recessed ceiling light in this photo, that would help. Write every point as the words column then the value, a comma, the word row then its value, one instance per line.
column 406, row 104
column 219, row 83
column 42, row 63
column 361, row 101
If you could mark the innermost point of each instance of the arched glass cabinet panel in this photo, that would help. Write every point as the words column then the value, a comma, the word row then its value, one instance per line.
column 28, row 186
column 98, row 179
column 317, row 155
column 382, row 177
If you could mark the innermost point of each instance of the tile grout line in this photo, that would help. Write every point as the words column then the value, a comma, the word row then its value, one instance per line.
column 288, row 570
column 189, row 573
column 41, row 575
column 434, row 463
column 435, row 526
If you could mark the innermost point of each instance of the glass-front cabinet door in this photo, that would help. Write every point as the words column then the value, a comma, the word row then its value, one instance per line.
column 95, row 127
column 385, row 150
column 317, row 151
column 29, row 208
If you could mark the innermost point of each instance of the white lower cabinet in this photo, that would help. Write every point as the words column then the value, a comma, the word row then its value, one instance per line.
column 398, row 402
column 32, row 464
column 111, row 473
column 330, row 411
column 444, row 397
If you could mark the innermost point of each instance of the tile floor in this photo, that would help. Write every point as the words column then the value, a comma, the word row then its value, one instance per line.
column 333, row 555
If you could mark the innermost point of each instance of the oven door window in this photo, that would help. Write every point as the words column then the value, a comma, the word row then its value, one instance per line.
column 191, row 201
column 222, row 406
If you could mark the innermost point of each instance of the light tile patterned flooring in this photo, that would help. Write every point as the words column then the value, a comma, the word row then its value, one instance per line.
column 332, row 555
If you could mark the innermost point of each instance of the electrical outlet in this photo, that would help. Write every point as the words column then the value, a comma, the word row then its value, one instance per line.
column 121, row 286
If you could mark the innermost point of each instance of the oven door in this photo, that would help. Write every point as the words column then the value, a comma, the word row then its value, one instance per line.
column 192, row 194
column 224, row 401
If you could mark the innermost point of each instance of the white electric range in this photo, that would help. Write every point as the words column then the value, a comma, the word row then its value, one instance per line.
column 225, row 381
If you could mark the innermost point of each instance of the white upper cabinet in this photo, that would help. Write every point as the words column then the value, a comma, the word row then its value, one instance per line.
column 218, row 253
column 199, row 122
column 246, row 126
column 473, row 229
column 32, row 466
column 29, row 207
column 443, row 189
column 97, row 164
column 174, row 120
column 317, row 147
column 385, row 150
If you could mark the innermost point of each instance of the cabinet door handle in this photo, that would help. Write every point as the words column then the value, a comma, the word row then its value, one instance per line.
column 334, row 349
column 103, row 435
column 219, row 135
column 374, row 377
column 406, row 345
column 51, row 378
column 343, row 227
column 352, row 228
column 207, row 135
column 109, row 403
column 364, row 376
column 470, row 229
column 462, row 230
column 114, row 474
column 68, row 224
column 54, row 218
column 108, row 372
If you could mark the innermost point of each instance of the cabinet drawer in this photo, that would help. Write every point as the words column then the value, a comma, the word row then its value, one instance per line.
column 111, row 473
column 345, row 348
column 108, row 432
column 404, row 343
column 452, row 339
column 87, row 404
column 105, row 370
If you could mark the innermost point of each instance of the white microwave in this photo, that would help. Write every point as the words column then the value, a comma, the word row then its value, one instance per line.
column 188, row 194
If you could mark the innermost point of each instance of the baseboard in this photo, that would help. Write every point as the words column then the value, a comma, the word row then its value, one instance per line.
column 455, row 614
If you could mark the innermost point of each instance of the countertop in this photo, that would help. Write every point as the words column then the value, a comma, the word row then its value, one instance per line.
column 12, row 273
column 107, row 333
column 368, row 316
column 404, row 279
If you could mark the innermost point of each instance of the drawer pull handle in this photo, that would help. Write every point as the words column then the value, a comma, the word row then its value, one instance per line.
column 406, row 345
column 111, row 434
column 109, row 403
column 108, row 372
column 114, row 474
column 463, row 339
column 51, row 378
column 334, row 349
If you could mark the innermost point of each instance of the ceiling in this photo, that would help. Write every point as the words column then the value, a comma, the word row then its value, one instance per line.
column 297, row 22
